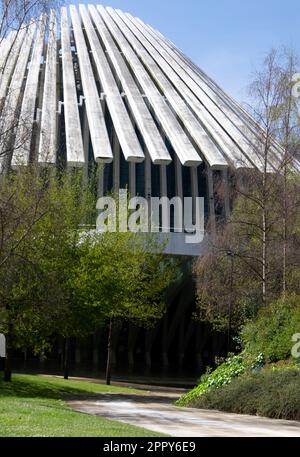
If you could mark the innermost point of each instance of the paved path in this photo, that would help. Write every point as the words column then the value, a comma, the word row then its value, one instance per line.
column 156, row 412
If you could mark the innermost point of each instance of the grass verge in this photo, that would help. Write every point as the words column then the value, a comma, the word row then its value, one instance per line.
column 35, row 406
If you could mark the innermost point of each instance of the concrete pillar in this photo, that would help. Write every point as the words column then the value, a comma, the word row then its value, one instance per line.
column 60, row 351
column 96, row 341
column 37, row 126
column 100, row 171
column 212, row 215
column 115, row 339
column 42, row 359
column 148, row 184
column 226, row 193
column 178, row 178
column 86, row 140
column 78, row 353
column 132, row 179
column 116, row 163
column 195, row 190
column 148, row 345
column 164, row 223
column 198, row 347
column 181, row 344
column 133, row 332
column 164, row 354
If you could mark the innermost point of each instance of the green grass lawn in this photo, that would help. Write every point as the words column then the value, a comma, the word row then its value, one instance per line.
column 35, row 406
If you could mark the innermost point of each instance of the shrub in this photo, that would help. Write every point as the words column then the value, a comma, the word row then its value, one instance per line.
column 271, row 332
column 234, row 366
column 271, row 393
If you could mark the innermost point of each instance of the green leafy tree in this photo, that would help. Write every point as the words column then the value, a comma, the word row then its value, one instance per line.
column 123, row 277
column 40, row 218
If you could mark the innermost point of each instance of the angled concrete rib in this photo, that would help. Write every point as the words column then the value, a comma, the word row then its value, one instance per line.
column 164, row 76
column 9, row 119
column 98, row 131
column 74, row 143
column 130, row 145
column 151, row 136
column 5, row 48
column 48, row 141
column 179, row 140
column 10, row 63
column 236, row 121
column 26, row 120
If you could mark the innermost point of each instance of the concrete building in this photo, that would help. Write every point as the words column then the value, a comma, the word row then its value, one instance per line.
column 94, row 85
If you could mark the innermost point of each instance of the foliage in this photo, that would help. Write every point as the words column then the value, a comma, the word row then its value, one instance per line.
column 40, row 217
column 271, row 332
column 255, row 256
column 270, row 393
column 59, row 276
column 118, row 277
column 234, row 366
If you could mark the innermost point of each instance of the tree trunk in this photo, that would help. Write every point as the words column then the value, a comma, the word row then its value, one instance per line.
column 264, row 258
column 230, row 305
column 264, row 228
column 284, row 248
column 109, row 353
column 9, row 354
column 66, row 358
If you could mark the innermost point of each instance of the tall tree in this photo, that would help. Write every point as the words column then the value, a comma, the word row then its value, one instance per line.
column 122, row 277
column 257, row 251
column 40, row 217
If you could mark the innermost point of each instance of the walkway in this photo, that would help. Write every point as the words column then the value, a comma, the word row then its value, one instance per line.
column 155, row 411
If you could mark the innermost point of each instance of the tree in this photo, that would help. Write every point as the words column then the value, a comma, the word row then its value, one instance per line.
column 255, row 257
column 40, row 217
column 277, row 113
column 122, row 276
column 15, row 15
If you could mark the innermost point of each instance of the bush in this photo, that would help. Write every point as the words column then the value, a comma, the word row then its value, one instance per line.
column 272, row 393
column 271, row 332
column 234, row 366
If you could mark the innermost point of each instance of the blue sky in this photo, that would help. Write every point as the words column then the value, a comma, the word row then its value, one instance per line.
column 226, row 38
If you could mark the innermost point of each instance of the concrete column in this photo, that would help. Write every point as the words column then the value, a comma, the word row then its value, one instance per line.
column 178, row 188
column 60, row 351
column 86, row 140
column 198, row 347
column 132, row 179
column 212, row 215
column 164, row 355
column 165, row 224
column 100, row 171
column 226, row 193
column 148, row 360
column 96, row 341
column 116, row 163
column 178, row 177
column 148, row 184
column 37, row 126
column 181, row 345
column 78, row 353
column 115, row 339
column 132, row 337
column 149, row 340
column 195, row 191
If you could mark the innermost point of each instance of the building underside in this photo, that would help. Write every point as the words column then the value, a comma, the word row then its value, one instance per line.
column 94, row 86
